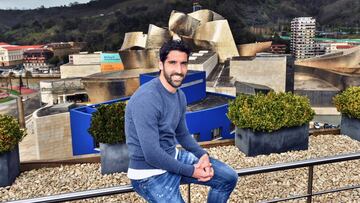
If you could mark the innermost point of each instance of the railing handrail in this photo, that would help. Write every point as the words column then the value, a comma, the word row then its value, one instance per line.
column 297, row 164
column 241, row 172
column 79, row 195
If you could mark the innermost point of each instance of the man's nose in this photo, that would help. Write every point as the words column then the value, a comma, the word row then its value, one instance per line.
column 178, row 68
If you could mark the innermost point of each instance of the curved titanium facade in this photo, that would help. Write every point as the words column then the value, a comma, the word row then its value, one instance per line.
column 156, row 37
column 205, row 16
column 134, row 39
column 340, row 81
column 182, row 24
column 202, row 29
column 144, row 59
column 102, row 87
column 253, row 48
column 343, row 62
column 219, row 35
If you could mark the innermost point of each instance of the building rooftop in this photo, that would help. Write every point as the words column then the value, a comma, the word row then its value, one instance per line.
column 16, row 47
column 3, row 43
column 11, row 47
column 210, row 101
column 56, row 109
column 36, row 50
column 200, row 57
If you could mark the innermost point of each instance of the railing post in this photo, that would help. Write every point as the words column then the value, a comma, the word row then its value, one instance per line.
column 189, row 197
column 310, row 184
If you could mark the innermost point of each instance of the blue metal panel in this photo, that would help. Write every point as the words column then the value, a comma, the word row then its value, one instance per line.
column 196, row 91
column 199, row 122
column 144, row 78
column 194, row 84
column 204, row 121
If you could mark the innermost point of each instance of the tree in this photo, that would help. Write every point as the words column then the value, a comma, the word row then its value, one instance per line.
column 10, row 76
column 27, row 76
column 54, row 60
column 20, row 83
column 73, row 4
column 65, row 59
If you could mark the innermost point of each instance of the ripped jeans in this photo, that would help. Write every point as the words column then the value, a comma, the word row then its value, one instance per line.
column 165, row 187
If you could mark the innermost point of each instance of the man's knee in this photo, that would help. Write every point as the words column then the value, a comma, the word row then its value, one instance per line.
column 233, row 178
column 228, row 176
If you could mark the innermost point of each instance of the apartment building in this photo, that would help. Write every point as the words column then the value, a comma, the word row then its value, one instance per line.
column 303, row 37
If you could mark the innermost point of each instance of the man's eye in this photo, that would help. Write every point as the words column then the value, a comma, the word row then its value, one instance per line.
column 172, row 62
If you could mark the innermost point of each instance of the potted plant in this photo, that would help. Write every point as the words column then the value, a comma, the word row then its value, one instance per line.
column 107, row 128
column 10, row 135
column 271, row 123
column 348, row 103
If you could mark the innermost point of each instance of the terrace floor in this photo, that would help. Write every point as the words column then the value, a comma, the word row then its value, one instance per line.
column 47, row 181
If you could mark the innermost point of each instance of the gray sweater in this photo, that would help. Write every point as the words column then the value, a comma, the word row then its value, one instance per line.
column 154, row 120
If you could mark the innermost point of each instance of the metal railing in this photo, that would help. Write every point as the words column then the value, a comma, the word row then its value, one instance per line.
column 310, row 163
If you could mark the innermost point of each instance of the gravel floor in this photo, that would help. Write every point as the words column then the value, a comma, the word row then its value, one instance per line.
column 253, row 188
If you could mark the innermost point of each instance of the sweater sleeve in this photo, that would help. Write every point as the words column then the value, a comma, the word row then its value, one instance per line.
column 146, row 116
column 184, row 137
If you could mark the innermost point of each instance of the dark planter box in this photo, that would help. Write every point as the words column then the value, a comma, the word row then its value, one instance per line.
column 286, row 139
column 114, row 158
column 350, row 127
column 9, row 167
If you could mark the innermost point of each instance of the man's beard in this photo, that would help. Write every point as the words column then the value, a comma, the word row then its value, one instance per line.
column 171, row 82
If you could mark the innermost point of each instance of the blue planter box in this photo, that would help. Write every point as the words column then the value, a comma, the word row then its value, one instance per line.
column 283, row 140
column 82, row 141
column 350, row 127
column 9, row 167
column 80, row 120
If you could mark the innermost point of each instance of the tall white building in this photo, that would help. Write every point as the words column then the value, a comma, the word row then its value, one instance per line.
column 302, row 37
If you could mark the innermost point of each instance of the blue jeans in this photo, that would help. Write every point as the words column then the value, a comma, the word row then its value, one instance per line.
column 165, row 187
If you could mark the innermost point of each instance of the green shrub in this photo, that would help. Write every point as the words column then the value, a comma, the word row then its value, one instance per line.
column 10, row 133
column 270, row 112
column 348, row 102
column 107, row 124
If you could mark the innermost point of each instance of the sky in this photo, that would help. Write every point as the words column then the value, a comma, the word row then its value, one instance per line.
column 31, row 4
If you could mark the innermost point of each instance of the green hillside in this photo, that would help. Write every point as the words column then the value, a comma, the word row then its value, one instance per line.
column 102, row 23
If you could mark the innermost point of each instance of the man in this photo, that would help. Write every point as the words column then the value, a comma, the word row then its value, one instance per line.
column 154, row 120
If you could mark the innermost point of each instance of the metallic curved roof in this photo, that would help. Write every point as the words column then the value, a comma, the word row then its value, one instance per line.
column 156, row 37
column 343, row 62
column 145, row 58
column 203, row 29
column 219, row 36
column 182, row 24
column 205, row 16
column 134, row 39
column 253, row 48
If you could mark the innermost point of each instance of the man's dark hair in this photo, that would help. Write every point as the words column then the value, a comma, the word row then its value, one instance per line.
column 171, row 46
